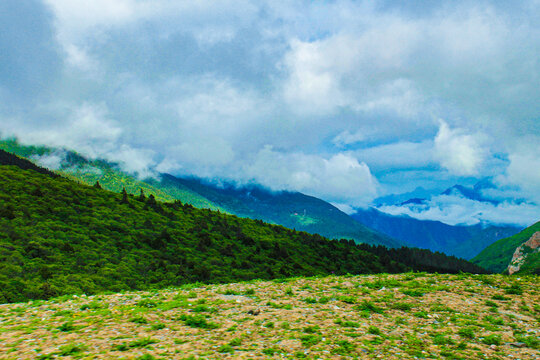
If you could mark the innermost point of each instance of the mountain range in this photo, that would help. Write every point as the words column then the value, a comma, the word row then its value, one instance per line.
column 459, row 240
column 290, row 209
column 61, row 237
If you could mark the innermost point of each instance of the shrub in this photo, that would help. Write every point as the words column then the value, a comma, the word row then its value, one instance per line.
column 142, row 343
column 147, row 303
column 310, row 340
column 235, row 342
column 402, row 306
column 369, row 306
column 72, row 349
column 158, row 326
column 467, row 332
column 492, row 340
column 442, row 340
column 413, row 292
column 531, row 340
column 139, row 320
column 198, row 321
column 347, row 299
column 94, row 305
column 344, row 348
column 67, row 326
column 515, row 289
column 374, row 330
column 249, row 292
column 225, row 349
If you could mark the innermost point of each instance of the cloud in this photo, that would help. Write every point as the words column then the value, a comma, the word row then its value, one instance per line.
column 340, row 178
column 338, row 99
column 459, row 152
column 523, row 169
column 86, row 129
column 51, row 161
column 346, row 208
column 320, row 82
column 399, row 155
column 456, row 210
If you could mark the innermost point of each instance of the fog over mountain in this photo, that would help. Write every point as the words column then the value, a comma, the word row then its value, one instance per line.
column 347, row 101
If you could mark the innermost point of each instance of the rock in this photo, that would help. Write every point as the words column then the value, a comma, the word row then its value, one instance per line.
column 518, row 344
column 254, row 312
column 290, row 345
column 518, row 259
column 493, row 347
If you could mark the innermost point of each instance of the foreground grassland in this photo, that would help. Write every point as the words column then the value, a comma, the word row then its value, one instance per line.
column 413, row 315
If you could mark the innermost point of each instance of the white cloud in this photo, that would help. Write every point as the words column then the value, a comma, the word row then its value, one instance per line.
column 202, row 153
column 456, row 210
column 84, row 128
column 337, row 90
column 399, row 155
column 459, row 152
column 134, row 161
column 346, row 208
column 340, row 178
column 524, row 168
column 347, row 138
column 79, row 59
column 51, row 161
column 209, row 21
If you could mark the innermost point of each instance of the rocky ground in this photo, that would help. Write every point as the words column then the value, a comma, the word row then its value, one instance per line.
column 369, row 316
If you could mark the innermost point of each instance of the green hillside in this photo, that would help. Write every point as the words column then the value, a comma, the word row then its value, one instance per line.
column 498, row 255
column 61, row 237
column 290, row 209
column 109, row 175
column 531, row 264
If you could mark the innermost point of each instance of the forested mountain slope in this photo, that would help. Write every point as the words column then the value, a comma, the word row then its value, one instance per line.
column 110, row 176
column 59, row 237
column 290, row 209
column 498, row 255
column 462, row 241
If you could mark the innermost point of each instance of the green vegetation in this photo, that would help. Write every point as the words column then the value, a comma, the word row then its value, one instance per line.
column 498, row 255
column 109, row 175
column 206, row 323
column 59, row 237
column 292, row 210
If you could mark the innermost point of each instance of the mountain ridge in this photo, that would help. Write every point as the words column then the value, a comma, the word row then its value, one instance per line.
column 462, row 241
column 498, row 255
column 61, row 237
column 321, row 217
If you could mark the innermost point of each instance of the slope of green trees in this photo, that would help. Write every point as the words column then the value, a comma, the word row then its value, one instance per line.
column 290, row 209
column 498, row 255
column 109, row 175
column 61, row 237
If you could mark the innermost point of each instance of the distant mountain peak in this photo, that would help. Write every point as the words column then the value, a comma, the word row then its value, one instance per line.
column 416, row 201
column 474, row 193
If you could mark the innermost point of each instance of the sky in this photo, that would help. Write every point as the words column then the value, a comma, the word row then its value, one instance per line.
column 344, row 100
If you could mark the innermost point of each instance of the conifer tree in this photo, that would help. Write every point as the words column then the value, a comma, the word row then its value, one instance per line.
column 97, row 185
column 151, row 201
column 142, row 197
column 124, row 197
